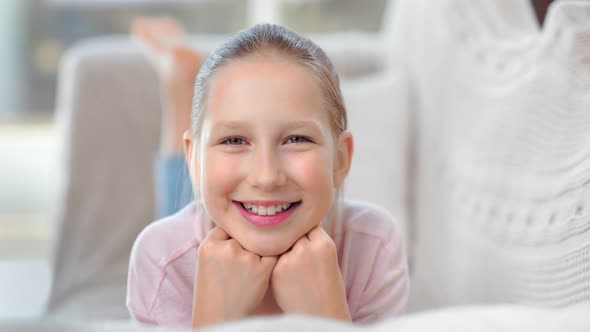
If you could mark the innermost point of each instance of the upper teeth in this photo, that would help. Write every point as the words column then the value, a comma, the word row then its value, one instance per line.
column 267, row 210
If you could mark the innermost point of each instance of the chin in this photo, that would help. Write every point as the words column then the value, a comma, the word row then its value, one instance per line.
column 268, row 248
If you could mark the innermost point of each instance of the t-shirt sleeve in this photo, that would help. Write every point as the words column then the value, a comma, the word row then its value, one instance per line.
column 387, row 289
column 143, row 280
column 173, row 185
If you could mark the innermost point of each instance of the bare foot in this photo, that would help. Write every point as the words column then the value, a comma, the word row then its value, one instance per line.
column 177, row 65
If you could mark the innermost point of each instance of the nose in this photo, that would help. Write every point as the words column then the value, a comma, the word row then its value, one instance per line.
column 266, row 171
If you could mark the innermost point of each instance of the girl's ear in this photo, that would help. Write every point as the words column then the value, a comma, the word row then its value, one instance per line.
column 190, row 156
column 344, row 157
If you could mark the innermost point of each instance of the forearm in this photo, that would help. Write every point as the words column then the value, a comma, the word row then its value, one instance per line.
column 176, row 110
column 173, row 185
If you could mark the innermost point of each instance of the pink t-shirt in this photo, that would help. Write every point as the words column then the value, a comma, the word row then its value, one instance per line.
column 370, row 255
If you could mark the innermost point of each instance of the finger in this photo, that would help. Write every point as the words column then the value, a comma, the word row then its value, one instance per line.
column 318, row 233
column 232, row 242
column 268, row 262
column 300, row 243
column 217, row 234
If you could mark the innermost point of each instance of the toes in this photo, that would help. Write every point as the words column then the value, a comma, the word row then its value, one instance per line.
column 187, row 60
column 145, row 29
column 170, row 26
column 159, row 33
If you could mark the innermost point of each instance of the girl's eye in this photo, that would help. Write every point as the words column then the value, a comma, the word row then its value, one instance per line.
column 233, row 141
column 297, row 139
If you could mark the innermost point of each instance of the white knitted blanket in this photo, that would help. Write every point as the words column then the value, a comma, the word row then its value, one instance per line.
column 501, row 201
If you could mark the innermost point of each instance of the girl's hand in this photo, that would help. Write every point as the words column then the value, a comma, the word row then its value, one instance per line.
column 307, row 278
column 230, row 282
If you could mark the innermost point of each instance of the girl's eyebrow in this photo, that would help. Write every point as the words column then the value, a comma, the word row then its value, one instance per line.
column 299, row 124
column 303, row 124
column 229, row 125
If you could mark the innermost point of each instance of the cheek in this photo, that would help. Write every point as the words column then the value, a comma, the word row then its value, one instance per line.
column 219, row 175
column 312, row 171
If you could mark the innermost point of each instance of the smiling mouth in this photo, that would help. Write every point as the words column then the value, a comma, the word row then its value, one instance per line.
column 267, row 210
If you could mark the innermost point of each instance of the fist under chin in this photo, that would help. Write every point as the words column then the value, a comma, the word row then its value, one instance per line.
column 267, row 242
column 266, row 248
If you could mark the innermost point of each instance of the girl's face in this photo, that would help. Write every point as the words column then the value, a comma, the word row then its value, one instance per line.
column 267, row 163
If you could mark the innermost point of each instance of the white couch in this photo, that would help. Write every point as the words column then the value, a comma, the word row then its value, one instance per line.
column 108, row 113
column 506, row 318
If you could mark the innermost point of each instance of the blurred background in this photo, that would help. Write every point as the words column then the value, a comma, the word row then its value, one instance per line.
column 34, row 35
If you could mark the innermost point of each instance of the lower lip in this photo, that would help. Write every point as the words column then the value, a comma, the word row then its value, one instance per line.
column 264, row 221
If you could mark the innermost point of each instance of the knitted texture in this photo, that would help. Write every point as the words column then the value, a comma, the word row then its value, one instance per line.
column 501, row 197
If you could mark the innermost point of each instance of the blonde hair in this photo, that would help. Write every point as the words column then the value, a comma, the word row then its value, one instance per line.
column 270, row 39
column 263, row 39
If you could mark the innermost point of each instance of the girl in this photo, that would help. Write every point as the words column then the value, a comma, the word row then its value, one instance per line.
column 268, row 233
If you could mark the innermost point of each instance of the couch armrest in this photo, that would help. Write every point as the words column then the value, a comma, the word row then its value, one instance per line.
column 108, row 118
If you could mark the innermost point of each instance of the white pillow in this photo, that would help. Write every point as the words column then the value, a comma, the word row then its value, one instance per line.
column 378, row 119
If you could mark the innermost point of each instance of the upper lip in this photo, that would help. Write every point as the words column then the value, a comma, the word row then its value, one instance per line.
column 267, row 203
